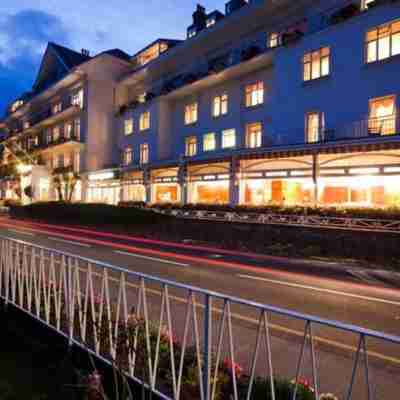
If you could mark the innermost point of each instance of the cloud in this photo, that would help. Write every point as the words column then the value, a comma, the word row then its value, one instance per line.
column 23, row 39
column 24, row 35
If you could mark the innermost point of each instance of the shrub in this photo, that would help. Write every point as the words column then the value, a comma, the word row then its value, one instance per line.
column 87, row 214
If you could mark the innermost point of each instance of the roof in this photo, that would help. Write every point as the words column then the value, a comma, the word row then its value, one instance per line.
column 118, row 53
column 171, row 43
column 71, row 58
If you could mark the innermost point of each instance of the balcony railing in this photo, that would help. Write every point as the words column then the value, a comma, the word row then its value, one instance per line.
column 371, row 128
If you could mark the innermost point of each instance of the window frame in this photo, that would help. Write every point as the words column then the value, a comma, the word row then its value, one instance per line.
column 144, row 153
column 214, row 138
column 126, row 122
column 321, row 126
column 222, row 99
column 259, row 140
column 257, row 87
column 128, row 155
column 393, row 116
column 144, row 121
column 390, row 35
column 190, row 148
column 307, row 60
column 190, row 111
column 223, row 145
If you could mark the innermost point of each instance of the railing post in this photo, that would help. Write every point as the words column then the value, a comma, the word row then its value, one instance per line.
column 207, row 346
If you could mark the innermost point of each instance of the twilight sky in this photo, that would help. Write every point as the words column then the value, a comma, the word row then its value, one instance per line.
column 27, row 25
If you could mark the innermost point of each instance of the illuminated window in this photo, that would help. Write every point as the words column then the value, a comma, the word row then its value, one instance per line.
column 316, row 64
column 142, row 97
column 68, row 130
column 56, row 108
column 144, row 153
column 220, row 105
column 254, row 94
column 273, row 40
column 151, row 53
column 26, row 124
column 77, row 98
column 382, row 116
column 366, row 3
column 17, row 104
column 192, row 32
column 77, row 161
column 49, row 136
column 253, row 135
column 383, row 42
column 210, row 22
column 315, row 125
column 191, row 146
column 56, row 133
column 144, row 121
column 209, row 142
column 128, row 126
column 228, row 138
column 191, row 113
column 128, row 156
column 77, row 128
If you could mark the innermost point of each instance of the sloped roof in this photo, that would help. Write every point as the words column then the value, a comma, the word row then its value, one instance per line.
column 71, row 58
column 118, row 53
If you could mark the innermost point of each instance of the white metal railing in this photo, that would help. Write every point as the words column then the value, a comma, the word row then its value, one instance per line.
column 173, row 337
column 305, row 220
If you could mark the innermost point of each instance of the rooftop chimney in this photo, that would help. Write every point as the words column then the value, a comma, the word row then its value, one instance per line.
column 200, row 17
column 85, row 52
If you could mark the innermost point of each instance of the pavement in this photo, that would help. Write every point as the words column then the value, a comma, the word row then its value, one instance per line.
column 325, row 290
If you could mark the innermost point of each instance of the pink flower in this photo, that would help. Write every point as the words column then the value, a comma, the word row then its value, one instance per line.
column 229, row 366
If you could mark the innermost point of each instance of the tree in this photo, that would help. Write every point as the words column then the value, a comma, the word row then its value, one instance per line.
column 65, row 181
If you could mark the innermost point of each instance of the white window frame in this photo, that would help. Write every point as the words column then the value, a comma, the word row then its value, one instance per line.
column 251, row 142
column 314, row 63
column 191, row 112
column 254, row 94
column 225, row 139
column 212, row 144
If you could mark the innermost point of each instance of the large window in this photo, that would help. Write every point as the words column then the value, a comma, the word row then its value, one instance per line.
column 316, row 64
column 382, row 116
column 253, row 135
column 128, row 126
column 315, row 125
column 220, row 105
column 144, row 153
column 56, row 133
column 228, row 138
column 191, row 113
column 209, row 142
column 144, row 121
column 273, row 40
column 77, row 128
column 77, row 98
column 383, row 42
column 128, row 156
column 68, row 130
column 56, row 108
column 254, row 94
column 191, row 146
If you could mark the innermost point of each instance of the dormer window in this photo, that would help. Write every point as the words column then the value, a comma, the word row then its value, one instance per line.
column 151, row 53
column 210, row 22
column 192, row 32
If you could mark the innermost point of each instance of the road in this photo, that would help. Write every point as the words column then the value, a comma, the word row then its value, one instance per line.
column 249, row 276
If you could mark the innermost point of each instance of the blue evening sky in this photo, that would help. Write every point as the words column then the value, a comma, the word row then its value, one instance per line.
column 27, row 25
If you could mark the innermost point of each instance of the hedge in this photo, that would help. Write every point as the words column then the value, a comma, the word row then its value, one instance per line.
column 88, row 214
column 392, row 213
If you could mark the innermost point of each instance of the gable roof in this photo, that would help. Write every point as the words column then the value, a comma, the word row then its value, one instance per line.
column 56, row 63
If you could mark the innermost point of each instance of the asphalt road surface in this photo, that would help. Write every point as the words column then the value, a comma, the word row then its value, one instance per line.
column 258, row 278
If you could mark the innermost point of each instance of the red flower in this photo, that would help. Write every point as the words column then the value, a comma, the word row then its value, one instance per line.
column 229, row 366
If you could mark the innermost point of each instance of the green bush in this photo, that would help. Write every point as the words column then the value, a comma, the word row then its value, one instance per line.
column 87, row 214
column 392, row 213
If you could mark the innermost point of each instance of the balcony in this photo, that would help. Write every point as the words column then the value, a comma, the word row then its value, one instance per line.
column 366, row 130
column 46, row 118
column 60, row 144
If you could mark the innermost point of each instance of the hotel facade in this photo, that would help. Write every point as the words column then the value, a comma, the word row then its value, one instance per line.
column 271, row 102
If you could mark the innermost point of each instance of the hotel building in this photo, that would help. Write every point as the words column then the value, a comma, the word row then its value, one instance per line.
column 271, row 102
